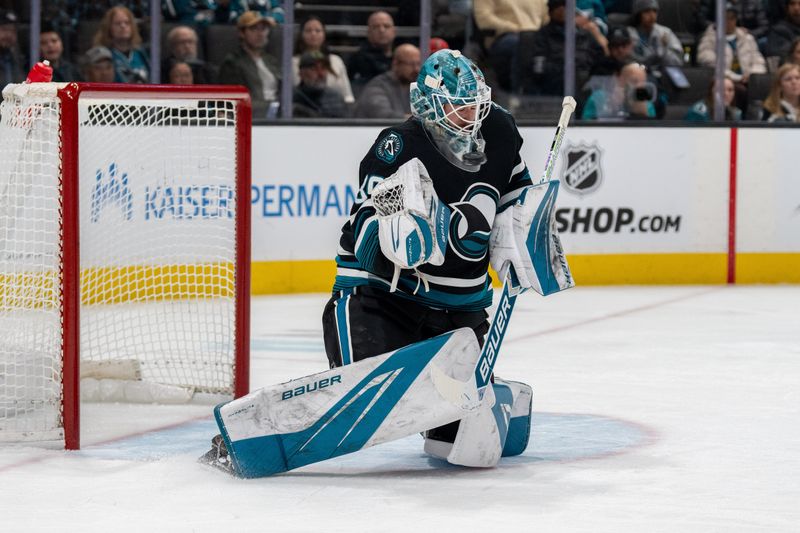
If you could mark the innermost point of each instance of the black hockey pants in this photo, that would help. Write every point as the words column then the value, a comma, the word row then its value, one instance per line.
column 363, row 322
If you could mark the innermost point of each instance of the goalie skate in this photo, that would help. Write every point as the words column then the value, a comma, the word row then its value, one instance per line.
column 217, row 456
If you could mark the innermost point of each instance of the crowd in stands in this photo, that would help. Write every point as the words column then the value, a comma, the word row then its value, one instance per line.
column 629, row 63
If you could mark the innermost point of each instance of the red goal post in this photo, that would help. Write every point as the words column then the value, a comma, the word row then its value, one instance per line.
column 124, row 249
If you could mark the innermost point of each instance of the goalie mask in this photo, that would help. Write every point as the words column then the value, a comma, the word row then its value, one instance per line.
column 451, row 99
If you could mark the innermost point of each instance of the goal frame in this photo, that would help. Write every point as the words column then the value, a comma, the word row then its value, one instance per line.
column 70, row 229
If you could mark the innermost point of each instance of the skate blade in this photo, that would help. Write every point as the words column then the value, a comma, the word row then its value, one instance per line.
column 211, row 459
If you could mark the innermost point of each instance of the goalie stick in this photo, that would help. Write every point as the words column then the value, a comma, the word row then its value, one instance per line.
column 390, row 396
column 542, row 258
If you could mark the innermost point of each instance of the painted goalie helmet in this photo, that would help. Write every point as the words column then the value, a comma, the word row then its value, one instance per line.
column 451, row 96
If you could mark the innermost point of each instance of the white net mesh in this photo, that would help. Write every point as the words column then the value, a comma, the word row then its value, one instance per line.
column 388, row 200
column 30, row 319
column 158, row 228
column 157, row 189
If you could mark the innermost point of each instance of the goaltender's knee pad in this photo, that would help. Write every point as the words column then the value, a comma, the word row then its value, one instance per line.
column 499, row 427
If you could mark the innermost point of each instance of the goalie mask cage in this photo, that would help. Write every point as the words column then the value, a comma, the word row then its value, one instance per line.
column 124, row 246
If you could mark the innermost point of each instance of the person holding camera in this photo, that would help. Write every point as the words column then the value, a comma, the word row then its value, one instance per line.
column 626, row 95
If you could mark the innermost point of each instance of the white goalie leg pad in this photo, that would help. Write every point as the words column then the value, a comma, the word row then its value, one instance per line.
column 412, row 222
column 499, row 428
column 378, row 399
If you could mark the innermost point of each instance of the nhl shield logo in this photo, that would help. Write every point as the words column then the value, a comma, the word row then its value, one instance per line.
column 583, row 171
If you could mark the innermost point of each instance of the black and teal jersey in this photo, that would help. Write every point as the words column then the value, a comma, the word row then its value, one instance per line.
column 462, row 282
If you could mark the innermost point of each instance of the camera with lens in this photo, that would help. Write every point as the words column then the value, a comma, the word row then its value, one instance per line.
column 646, row 93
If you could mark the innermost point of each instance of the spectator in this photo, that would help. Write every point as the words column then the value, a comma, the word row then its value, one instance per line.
column 783, row 102
column 180, row 73
column 375, row 55
column 620, row 52
column 119, row 33
column 12, row 64
column 742, row 57
column 593, row 11
column 591, row 25
column 194, row 12
column 626, row 95
column 386, row 95
column 502, row 21
column 312, row 38
column 542, row 70
column 703, row 110
column 52, row 49
column 313, row 98
column 750, row 13
column 182, row 43
column 251, row 66
column 98, row 65
column 654, row 45
column 794, row 53
column 784, row 31
column 229, row 11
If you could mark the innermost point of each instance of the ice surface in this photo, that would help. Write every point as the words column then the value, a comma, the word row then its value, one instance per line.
column 656, row 409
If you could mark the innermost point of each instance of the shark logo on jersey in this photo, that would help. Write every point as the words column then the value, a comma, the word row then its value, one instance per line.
column 582, row 172
column 111, row 188
column 389, row 148
column 471, row 221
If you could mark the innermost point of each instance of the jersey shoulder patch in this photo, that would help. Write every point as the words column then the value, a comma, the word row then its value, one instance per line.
column 389, row 147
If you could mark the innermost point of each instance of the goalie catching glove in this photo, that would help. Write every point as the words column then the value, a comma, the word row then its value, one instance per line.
column 524, row 237
column 412, row 221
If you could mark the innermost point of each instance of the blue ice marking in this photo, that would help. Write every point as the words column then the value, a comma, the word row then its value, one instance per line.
column 285, row 344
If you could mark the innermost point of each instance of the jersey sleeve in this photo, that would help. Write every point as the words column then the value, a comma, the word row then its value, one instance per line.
column 519, row 176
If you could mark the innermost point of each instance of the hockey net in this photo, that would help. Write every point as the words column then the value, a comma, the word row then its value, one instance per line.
column 124, row 244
